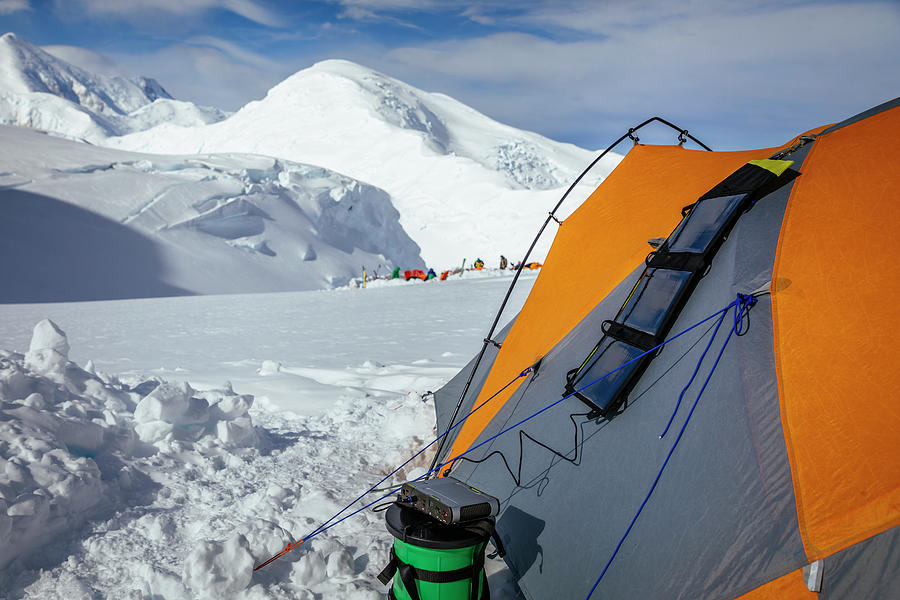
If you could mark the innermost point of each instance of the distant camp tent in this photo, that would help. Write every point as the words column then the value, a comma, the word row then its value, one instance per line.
column 780, row 470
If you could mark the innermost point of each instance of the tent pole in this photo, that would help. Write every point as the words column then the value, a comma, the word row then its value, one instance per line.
column 682, row 134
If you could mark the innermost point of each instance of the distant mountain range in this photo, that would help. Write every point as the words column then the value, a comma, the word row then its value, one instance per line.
column 464, row 185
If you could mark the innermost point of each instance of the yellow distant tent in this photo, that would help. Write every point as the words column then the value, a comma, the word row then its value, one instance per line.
column 778, row 474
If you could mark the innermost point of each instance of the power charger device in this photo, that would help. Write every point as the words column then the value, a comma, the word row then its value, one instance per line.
column 449, row 500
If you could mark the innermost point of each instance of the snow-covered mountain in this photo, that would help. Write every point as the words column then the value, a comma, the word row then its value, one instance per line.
column 41, row 91
column 464, row 184
column 81, row 222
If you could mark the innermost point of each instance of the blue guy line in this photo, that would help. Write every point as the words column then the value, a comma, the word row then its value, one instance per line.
column 693, row 376
column 325, row 526
column 742, row 306
column 329, row 524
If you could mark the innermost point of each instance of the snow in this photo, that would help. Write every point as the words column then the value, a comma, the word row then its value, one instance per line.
column 101, row 224
column 148, row 476
column 464, row 184
column 159, row 441
column 42, row 91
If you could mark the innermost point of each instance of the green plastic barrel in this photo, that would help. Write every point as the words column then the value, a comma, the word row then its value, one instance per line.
column 447, row 560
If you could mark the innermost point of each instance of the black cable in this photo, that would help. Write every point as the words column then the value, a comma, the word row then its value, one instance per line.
column 522, row 435
column 517, row 479
column 384, row 506
column 524, row 261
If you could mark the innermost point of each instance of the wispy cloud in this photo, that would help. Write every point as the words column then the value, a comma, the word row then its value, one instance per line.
column 382, row 11
column 86, row 59
column 236, row 52
column 578, row 70
column 8, row 7
column 377, row 6
column 136, row 10
column 775, row 65
column 206, row 74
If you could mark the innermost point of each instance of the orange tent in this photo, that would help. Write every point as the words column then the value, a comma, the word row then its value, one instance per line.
column 778, row 471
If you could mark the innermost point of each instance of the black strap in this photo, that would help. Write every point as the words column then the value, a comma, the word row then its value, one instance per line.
column 634, row 337
column 387, row 573
column 477, row 574
column 678, row 261
column 409, row 574
column 498, row 545
column 408, row 577
column 747, row 179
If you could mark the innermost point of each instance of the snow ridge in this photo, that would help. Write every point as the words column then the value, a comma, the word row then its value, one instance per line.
column 464, row 185
column 462, row 182
column 170, row 225
column 45, row 92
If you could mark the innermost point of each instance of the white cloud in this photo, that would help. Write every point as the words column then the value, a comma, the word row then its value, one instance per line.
column 235, row 52
column 8, row 7
column 85, row 59
column 390, row 5
column 206, row 74
column 376, row 11
column 776, row 70
column 136, row 10
column 204, row 69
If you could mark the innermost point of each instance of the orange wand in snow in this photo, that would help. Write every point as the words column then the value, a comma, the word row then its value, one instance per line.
column 287, row 549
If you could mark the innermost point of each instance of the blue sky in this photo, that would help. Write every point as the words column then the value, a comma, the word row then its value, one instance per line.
column 737, row 74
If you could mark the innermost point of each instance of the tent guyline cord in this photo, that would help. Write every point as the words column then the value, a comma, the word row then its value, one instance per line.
column 331, row 522
column 442, row 438
column 720, row 313
column 742, row 306
column 326, row 524
column 683, row 136
column 517, row 478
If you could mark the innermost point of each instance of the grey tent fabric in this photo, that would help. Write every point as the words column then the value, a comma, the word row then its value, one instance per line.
column 683, row 545
column 860, row 570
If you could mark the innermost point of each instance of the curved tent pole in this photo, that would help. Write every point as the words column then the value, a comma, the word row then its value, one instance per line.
column 683, row 136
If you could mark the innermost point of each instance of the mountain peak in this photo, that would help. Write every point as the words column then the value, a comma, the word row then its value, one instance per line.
column 45, row 91
column 26, row 68
column 340, row 66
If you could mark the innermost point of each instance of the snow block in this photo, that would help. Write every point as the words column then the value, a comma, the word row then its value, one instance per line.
column 238, row 432
column 153, row 431
column 339, row 563
column 309, row 570
column 269, row 367
column 48, row 336
column 49, row 349
column 265, row 538
column 172, row 403
column 219, row 569
column 231, row 407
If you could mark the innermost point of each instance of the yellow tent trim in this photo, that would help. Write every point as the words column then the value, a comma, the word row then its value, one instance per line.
column 775, row 166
